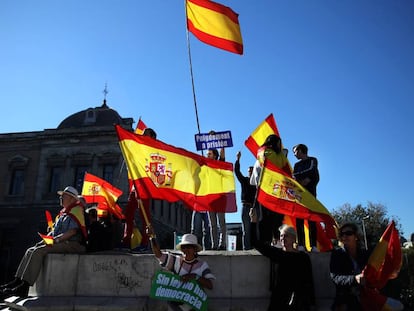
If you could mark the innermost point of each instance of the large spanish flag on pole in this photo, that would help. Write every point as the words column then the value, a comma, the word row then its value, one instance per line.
column 97, row 190
column 285, row 195
column 161, row 171
column 214, row 24
column 259, row 135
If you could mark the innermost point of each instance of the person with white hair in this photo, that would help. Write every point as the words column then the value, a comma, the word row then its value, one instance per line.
column 292, row 288
column 68, row 236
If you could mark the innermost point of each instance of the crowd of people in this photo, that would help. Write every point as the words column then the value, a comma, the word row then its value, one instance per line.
column 292, row 288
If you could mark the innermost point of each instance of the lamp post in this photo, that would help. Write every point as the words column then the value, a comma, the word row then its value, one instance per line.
column 364, row 232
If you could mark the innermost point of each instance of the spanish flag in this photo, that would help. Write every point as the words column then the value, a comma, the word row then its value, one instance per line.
column 214, row 24
column 97, row 190
column 77, row 213
column 140, row 127
column 49, row 220
column 385, row 261
column 165, row 172
column 48, row 239
column 259, row 135
column 384, row 264
column 285, row 195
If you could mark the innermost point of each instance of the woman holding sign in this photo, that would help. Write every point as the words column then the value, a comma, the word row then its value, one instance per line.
column 186, row 265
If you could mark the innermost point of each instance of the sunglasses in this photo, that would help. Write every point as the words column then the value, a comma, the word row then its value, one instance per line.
column 347, row 233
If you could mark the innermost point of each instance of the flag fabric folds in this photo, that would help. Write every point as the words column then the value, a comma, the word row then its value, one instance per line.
column 136, row 238
column 384, row 264
column 161, row 171
column 49, row 220
column 259, row 135
column 77, row 213
column 214, row 24
column 323, row 242
column 285, row 195
column 97, row 190
column 385, row 261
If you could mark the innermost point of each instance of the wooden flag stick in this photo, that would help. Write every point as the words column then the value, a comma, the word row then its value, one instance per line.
column 141, row 206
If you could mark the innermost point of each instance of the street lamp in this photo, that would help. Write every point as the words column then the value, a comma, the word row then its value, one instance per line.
column 364, row 232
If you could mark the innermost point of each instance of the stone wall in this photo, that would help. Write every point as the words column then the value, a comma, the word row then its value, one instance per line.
column 121, row 281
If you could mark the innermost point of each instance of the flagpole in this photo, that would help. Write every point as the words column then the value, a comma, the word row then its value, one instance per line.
column 191, row 71
column 144, row 213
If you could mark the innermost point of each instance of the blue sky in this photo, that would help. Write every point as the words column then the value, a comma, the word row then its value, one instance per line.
column 338, row 75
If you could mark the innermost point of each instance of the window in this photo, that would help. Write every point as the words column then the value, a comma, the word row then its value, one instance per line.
column 17, row 167
column 17, row 182
column 90, row 116
column 56, row 174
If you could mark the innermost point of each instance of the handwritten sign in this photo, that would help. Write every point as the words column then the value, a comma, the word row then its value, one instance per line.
column 168, row 286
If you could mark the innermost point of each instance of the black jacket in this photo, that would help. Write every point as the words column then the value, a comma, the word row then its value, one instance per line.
column 343, row 270
column 293, row 287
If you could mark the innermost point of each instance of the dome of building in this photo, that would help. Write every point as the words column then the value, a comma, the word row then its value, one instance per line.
column 98, row 116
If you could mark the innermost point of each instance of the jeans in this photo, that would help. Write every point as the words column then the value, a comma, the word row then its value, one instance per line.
column 246, row 226
column 218, row 242
column 200, row 221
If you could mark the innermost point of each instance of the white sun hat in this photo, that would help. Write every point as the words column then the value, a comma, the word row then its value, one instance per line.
column 70, row 191
column 189, row 239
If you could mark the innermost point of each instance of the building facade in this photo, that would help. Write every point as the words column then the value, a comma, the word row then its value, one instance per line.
column 35, row 165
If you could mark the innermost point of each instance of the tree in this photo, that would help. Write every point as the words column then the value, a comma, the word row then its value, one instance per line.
column 373, row 217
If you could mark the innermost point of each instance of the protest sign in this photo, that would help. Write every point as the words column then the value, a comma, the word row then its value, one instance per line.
column 168, row 286
column 213, row 140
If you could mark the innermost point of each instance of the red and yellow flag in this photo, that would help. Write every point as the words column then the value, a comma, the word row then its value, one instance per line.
column 140, row 127
column 259, row 135
column 285, row 195
column 48, row 239
column 97, row 190
column 385, row 261
column 161, row 171
column 49, row 220
column 78, row 214
column 384, row 264
column 323, row 242
column 214, row 24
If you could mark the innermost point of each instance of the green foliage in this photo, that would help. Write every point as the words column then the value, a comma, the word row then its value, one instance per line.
column 373, row 217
